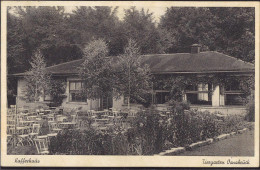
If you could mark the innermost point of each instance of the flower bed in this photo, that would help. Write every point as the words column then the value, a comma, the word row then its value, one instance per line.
column 150, row 133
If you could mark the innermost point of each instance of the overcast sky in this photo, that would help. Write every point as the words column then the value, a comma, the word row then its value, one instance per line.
column 157, row 11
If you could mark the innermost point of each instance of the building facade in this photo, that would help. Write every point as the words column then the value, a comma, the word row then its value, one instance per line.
column 226, row 98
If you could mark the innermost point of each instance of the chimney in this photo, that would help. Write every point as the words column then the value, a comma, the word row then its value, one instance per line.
column 195, row 48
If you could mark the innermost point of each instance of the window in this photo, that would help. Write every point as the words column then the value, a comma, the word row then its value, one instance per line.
column 233, row 94
column 132, row 101
column 199, row 94
column 161, row 97
column 75, row 92
column 47, row 97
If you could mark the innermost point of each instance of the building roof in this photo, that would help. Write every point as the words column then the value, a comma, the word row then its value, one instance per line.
column 203, row 62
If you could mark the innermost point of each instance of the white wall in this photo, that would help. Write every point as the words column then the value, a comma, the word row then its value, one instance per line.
column 218, row 99
column 118, row 103
column 21, row 87
column 216, row 96
column 88, row 105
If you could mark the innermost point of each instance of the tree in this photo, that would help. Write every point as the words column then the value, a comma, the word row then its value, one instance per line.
column 190, row 25
column 99, row 22
column 133, row 79
column 237, row 27
column 95, row 71
column 227, row 30
column 139, row 25
column 57, row 91
column 37, row 79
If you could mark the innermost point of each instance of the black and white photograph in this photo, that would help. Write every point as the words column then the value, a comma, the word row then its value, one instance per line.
column 167, row 81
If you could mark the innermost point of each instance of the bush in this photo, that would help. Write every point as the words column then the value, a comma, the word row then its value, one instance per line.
column 179, row 107
column 147, row 133
column 88, row 142
column 150, row 133
column 250, row 107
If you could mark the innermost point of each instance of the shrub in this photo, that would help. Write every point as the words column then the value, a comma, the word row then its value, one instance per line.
column 147, row 132
column 150, row 133
column 178, row 107
column 250, row 107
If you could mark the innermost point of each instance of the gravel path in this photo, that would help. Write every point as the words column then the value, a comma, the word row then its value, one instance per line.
column 238, row 145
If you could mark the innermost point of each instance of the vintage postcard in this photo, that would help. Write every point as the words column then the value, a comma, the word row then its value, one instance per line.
column 129, row 84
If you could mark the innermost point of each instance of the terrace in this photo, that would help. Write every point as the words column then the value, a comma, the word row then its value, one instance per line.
column 34, row 128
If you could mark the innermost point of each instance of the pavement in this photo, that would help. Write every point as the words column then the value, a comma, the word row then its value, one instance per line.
column 238, row 145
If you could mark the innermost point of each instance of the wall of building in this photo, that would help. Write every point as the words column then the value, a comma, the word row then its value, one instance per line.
column 118, row 103
column 88, row 105
column 21, row 87
column 218, row 99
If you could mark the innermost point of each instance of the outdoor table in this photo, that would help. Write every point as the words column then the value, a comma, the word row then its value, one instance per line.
column 52, row 134
column 21, row 130
column 27, row 122
column 32, row 117
column 103, row 129
column 51, row 121
column 116, row 113
column 104, row 116
column 98, row 113
column 10, row 116
column 61, row 118
column 102, row 120
column 38, row 119
column 67, row 125
column 50, row 118
column 47, row 111
column 22, row 114
column 41, row 114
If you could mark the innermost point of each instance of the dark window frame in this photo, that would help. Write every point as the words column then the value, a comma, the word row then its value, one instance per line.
column 74, row 94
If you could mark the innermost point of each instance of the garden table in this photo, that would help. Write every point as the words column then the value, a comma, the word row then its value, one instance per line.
column 102, row 120
column 53, row 108
column 27, row 122
column 104, row 116
column 103, row 129
column 67, row 125
column 10, row 116
column 61, row 118
column 47, row 111
column 41, row 114
column 32, row 117
column 22, row 130
column 98, row 113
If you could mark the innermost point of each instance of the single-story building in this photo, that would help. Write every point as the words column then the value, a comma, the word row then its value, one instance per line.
column 210, row 96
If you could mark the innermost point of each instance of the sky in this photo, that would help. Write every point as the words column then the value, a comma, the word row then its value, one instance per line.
column 156, row 10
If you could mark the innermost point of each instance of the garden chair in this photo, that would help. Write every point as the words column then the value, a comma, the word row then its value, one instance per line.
column 35, row 131
column 51, row 118
column 23, row 136
column 41, row 146
column 10, row 133
column 54, row 127
column 19, row 121
column 10, row 121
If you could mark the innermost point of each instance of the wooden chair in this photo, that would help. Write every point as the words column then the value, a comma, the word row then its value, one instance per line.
column 51, row 118
column 10, row 133
column 23, row 136
column 54, row 127
column 41, row 146
column 35, row 131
